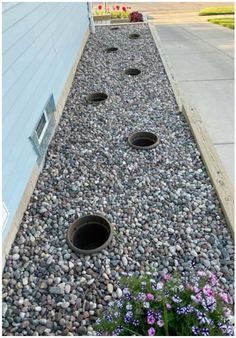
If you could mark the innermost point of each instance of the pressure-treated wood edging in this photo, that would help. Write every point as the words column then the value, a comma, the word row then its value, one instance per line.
column 211, row 159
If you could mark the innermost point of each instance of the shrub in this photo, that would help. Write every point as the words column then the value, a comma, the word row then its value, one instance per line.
column 135, row 17
column 168, row 306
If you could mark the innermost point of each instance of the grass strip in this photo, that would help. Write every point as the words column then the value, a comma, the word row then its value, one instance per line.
column 217, row 10
column 225, row 22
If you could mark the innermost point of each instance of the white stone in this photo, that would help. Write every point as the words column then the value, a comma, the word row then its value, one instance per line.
column 25, row 281
column 15, row 257
column 124, row 261
column 119, row 293
column 110, row 288
column 38, row 308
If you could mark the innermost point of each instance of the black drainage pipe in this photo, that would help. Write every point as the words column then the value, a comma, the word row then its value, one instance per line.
column 134, row 36
column 111, row 49
column 89, row 234
column 132, row 71
column 97, row 97
column 143, row 140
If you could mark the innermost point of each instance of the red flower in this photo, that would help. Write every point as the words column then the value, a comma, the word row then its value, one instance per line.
column 124, row 8
column 99, row 7
column 117, row 7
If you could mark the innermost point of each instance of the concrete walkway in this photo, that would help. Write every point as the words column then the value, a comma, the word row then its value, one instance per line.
column 201, row 59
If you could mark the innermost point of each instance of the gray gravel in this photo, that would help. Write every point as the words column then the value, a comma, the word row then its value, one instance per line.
column 161, row 202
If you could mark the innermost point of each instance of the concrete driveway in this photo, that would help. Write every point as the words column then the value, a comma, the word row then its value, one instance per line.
column 201, row 58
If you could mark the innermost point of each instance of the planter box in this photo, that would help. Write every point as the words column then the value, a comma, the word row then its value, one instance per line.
column 114, row 21
column 104, row 19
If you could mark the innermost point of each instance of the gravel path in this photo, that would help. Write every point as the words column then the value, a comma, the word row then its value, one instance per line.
column 161, row 202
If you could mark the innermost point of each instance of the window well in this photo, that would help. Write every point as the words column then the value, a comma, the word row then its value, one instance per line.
column 44, row 129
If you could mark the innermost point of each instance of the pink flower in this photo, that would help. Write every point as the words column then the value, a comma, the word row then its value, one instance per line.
column 151, row 320
column 117, row 7
column 197, row 297
column 227, row 312
column 166, row 277
column 201, row 273
column 124, row 8
column 149, row 296
column 196, row 289
column 151, row 331
column 99, row 7
column 213, row 278
column 224, row 297
column 168, row 306
column 159, row 286
column 160, row 323
column 208, row 291
column 113, row 8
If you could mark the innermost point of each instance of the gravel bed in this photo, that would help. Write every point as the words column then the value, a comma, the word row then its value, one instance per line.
column 161, row 202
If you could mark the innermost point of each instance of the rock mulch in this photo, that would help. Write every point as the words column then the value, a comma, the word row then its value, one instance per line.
column 161, row 202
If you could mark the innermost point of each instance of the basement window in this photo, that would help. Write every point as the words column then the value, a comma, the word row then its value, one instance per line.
column 42, row 126
column 44, row 129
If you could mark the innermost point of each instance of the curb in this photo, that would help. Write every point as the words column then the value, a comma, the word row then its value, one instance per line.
column 215, row 168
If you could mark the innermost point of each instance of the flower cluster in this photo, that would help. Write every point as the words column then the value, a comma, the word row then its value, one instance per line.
column 169, row 305
column 135, row 17
column 116, row 12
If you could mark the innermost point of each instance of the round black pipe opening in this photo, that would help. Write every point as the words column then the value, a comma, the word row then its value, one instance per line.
column 89, row 234
column 143, row 140
column 132, row 71
column 114, row 28
column 97, row 97
column 111, row 49
column 134, row 36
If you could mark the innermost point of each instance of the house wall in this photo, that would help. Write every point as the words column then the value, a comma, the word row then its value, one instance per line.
column 42, row 43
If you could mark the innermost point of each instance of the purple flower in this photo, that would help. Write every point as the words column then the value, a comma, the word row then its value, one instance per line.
column 143, row 285
column 205, row 331
column 181, row 288
column 149, row 296
column 127, row 293
column 108, row 318
column 150, row 320
column 202, row 318
column 99, row 333
column 195, row 330
column 158, row 315
column 141, row 296
column 135, row 322
column 160, row 323
column 129, row 306
column 98, row 321
column 209, row 303
column 179, row 310
column 166, row 277
column 151, row 331
column 116, row 314
column 207, row 290
column 190, row 308
column 225, row 297
column 117, row 331
column 213, row 278
column 168, row 306
column 176, row 299
column 119, row 303
column 201, row 273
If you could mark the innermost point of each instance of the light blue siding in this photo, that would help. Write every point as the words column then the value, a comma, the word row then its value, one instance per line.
column 40, row 44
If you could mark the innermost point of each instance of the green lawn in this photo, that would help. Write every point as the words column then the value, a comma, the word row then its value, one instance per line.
column 217, row 10
column 226, row 22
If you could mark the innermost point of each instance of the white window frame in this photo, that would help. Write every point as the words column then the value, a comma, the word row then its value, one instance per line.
column 44, row 128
